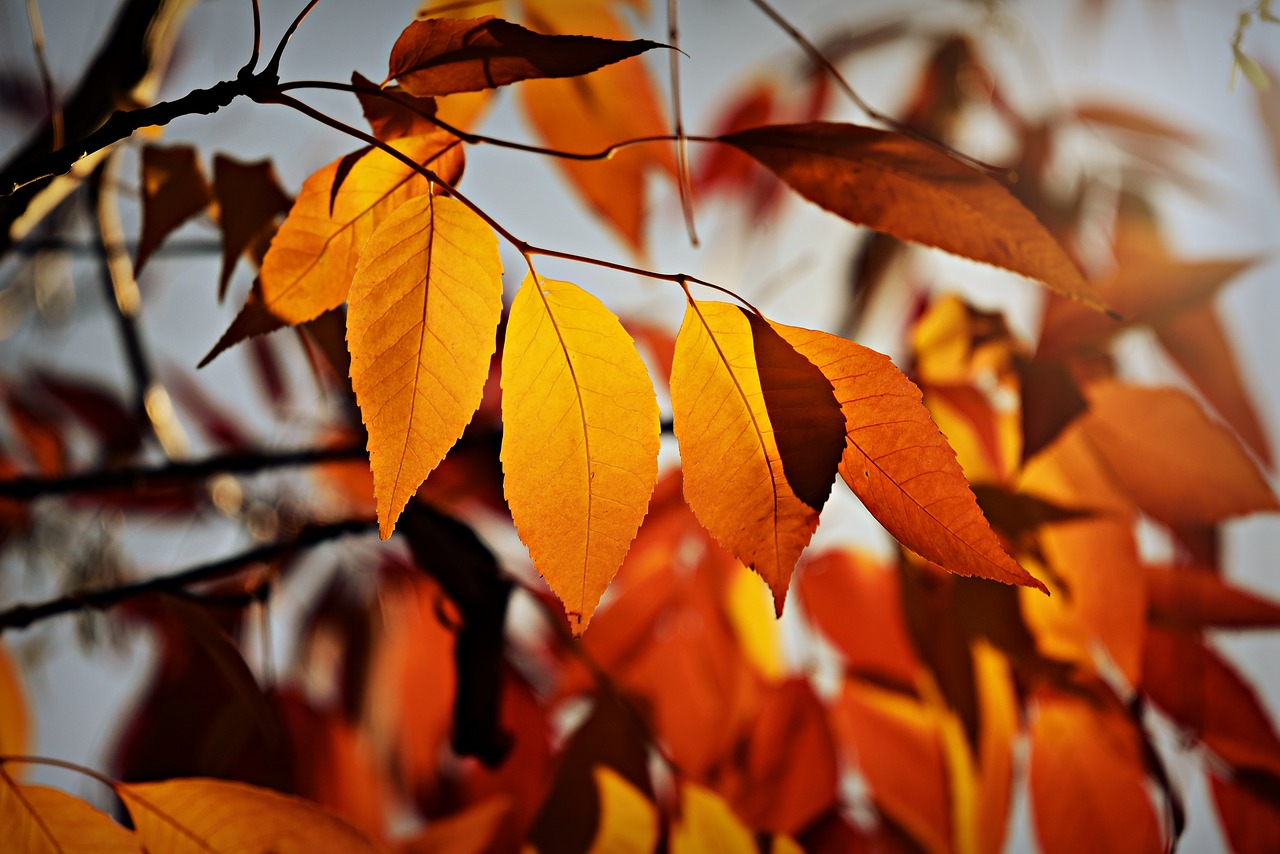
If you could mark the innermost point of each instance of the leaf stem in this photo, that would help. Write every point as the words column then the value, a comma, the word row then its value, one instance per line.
column 682, row 149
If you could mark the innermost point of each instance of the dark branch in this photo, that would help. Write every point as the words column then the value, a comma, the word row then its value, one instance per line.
column 22, row 616
column 140, row 479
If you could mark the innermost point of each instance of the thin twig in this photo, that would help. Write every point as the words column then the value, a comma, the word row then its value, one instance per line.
column 72, row 246
column 46, row 78
column 273, row 67
column 22, row 616
column 148, row 478
column 257, row 42
column 825, row 64
column 480, row 139
column 682, row 149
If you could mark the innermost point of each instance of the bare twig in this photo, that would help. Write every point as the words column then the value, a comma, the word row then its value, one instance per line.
column 46, row 79
column 273, row 67
column 247, row 70
column 22, row 616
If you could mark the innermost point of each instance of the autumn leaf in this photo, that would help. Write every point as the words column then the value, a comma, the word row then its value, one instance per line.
column 1183, row 597
column 312, row 259
column 628, row 821
column 900, row 466
column 1167, row 454
column 579, row 412
column 422, row 324
column 759, row 435
column 913, row 191
column 592, row 113
column 15, row 719
column 248, row 199
column 174, row 190
column 204, row 816
column 441, row 56
column 40, row 820
column 706, row 823
column 391, row 112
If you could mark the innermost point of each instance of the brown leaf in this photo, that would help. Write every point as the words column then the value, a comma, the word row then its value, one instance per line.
column 1196, row 598
column 916, row 192
column 249, row 199
column 899, row 464
column 174, row 190
column 441, row 56
column 391, row 112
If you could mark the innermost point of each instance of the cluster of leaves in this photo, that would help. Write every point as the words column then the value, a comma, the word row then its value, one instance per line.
column 411, row 692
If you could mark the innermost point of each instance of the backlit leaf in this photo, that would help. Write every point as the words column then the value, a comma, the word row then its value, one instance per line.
column 913, row 191
column 706, row 825
column 1088, row 787
column 441, row 56
column 422, row 324
column 174, row 190
column 40, row 820
column 899, row 464
column 205, row 816
column 628, row 821
column 312, row 259
column 15, row 720
column 1167, row 454
column 759, row 433
column 1197, row 598
column 579, row 412
column 589, row 114
column 391, row 112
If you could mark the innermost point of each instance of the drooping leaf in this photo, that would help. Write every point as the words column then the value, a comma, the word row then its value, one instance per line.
column 579, row 413
column 707, row 824
column 1247, row 810
column 249, row 199
column 422, row 324
column 590, row 113
column 1197, row 598
column 915, row 192
column 441, row 56
column 899, row 464
column 391, row 112
column 628, row 821
column 15, row 719
column 40, row 820
column 759, row 433
column 174, row 190
column 1167, row 454
column 205, row 816
column 1088, row 785
column 312, row 258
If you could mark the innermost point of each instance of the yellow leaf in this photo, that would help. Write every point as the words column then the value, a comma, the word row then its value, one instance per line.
column 707, row 825
column 628, row 822
column 421, row 328
column 211, row 817
column 40, row 820
column 313, row 256
column 579, row 441
column 760, row 437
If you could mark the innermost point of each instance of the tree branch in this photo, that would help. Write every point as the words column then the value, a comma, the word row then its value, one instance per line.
column 157, row 477
column 22, row 616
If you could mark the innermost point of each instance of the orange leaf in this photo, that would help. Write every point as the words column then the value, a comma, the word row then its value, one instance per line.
column 899, row 464
column 707, row 824
column 591, row 113
column 391, row 112
column 473, row 831
column 1196, row 598
column 759, row 434
column 579, row 441
column 15, row 720
column 312, row 259
column 40, row 820
column 203, row 816
column 1088, row 787
column 1175, row 462
column 913, row 191
column 422, row 324
column 441, row 56
column 174, row 189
